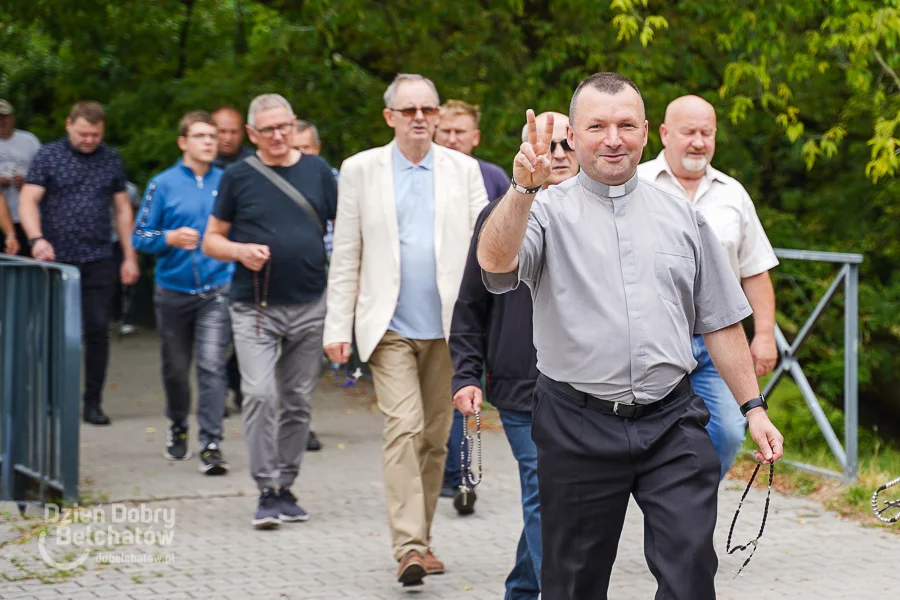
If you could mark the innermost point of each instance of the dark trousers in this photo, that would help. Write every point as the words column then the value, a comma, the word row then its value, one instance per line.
column 121, row 302
column 233, row 373
column 590, row 463
column 97, row 282
column 24, row 248
column 185, row 321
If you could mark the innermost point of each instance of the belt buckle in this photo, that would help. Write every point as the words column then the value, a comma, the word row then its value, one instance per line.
column 616, row 408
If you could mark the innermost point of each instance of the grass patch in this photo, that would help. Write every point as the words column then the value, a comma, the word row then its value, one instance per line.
column 879, row 460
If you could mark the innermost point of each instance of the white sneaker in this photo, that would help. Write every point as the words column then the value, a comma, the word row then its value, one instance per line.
column 126, row 329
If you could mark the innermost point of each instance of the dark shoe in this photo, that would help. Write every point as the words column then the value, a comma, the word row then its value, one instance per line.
column 267, row 513
column 95, row 416
column 312, row 442
column 412, row 569
column 177, row 444
column 448, row 492
column 464, row 501
column 212, row 462
column 288, row 509
column 432, row 565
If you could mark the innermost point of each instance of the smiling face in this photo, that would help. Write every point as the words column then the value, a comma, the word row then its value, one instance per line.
column 689, row 135
column 609, row 133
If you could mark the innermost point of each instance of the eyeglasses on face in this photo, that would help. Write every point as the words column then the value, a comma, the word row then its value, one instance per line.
column 410, row 113
column 564, row 143
column 268, row 132
column 204, row 136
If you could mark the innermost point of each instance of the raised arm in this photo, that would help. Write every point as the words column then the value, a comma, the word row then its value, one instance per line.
column 503, row 233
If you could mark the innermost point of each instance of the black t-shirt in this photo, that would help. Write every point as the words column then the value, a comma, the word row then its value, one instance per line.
column 260, row 213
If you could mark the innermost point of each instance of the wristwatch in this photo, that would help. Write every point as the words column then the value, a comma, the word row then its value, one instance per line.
column 524, row 190
column 758, row 401
column 34, row 240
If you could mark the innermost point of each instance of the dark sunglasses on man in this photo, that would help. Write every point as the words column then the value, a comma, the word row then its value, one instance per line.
column 563, row 142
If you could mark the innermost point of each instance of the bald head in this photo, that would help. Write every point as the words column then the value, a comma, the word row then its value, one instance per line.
column 231, row 130
column 563, row 163
column 689, row 136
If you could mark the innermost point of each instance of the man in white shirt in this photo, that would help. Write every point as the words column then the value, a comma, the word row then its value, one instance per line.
column 17, row 148
column 683, row 168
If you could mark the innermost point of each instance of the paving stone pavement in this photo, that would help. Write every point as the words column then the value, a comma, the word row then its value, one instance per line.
column 343, row 551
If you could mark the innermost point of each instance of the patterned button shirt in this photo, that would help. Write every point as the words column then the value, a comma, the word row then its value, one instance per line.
column 79, row 190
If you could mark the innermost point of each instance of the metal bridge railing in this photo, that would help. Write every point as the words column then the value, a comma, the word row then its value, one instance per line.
column 846, row 454
column 40, row 379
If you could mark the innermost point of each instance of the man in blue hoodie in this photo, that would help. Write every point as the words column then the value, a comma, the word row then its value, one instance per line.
column 191, row 293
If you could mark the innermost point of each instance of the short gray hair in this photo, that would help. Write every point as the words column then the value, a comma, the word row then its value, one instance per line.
column 391, row 92
column 606, row 83
column 302, row 126
column 265, row 102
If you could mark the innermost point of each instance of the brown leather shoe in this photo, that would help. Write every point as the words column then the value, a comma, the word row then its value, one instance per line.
column 412, row 569
column 432, row 565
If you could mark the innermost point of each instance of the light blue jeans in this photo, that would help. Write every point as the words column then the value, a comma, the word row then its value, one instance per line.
column 727, row 425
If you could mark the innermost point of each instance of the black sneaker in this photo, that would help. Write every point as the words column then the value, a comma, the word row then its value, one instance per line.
column 288, row 509
column 267, row 513
column 211, row 460
column 177, row 444
column 312, row 442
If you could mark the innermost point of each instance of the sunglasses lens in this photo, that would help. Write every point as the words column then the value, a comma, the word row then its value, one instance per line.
column 563, row 143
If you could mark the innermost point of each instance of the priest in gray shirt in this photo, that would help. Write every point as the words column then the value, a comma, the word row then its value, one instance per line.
column 622, row 274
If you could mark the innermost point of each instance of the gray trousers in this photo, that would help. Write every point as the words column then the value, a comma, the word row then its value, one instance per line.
column 185, row 321
column 281, row 364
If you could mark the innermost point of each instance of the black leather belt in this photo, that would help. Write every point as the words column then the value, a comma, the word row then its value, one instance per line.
column 619, row 409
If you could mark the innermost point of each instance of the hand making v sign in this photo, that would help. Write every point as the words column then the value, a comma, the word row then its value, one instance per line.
column 531, row 167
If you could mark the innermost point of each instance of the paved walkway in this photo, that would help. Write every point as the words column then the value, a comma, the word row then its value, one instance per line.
column 343, row 551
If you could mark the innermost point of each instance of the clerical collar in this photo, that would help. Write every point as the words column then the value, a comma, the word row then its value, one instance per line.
column 607, row 191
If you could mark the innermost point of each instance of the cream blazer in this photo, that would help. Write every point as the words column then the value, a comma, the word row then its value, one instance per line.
column 364, row 276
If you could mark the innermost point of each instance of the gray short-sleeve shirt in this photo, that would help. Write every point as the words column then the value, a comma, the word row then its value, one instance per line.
column 621, row 277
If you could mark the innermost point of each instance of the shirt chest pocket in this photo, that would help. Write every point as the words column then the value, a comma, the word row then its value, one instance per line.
column 675, row 271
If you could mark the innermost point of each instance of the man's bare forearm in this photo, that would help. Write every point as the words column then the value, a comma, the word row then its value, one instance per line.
column 761, row 295
column 218, row 246
column 124, row 224
column 503, row 233
column 6, row 222
column 29, row 215
column 730, row 354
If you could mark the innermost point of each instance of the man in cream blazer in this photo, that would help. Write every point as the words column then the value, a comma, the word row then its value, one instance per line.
column 406, row 212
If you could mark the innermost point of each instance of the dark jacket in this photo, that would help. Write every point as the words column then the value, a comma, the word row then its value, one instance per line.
column 493, row 332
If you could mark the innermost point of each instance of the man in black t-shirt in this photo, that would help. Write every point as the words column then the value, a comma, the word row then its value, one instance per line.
column 277, row 295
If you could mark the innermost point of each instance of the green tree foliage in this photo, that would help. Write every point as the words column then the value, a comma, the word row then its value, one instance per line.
column 807, row 93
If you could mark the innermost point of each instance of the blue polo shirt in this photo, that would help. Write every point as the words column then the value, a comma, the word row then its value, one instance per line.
column 418, row 313
column 79, row 190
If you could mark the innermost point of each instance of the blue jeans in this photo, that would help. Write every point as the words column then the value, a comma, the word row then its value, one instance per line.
column 726, row 425
column 524, row 581
column 452, row 475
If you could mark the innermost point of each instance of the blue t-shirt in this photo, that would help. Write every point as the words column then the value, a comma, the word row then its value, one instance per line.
column 79, row 190
column 496, row 181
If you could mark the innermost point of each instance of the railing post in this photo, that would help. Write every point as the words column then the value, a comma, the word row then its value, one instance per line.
column 851, row 363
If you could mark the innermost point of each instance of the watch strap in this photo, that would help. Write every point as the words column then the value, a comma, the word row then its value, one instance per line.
column 755, row 403
column 34, row 240
column 524, row 190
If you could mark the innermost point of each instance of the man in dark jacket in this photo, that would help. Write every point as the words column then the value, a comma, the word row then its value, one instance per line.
column 492, row 335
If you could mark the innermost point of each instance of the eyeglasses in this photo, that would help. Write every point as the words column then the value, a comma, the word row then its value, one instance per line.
column 204, row 136
column 267, row 132
column 410, row 113
column 564, row 143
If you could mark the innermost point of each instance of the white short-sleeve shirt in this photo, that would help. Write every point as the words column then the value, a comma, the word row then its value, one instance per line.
column 728, row 208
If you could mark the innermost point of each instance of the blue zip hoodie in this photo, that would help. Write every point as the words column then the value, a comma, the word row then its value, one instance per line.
column 179, row 198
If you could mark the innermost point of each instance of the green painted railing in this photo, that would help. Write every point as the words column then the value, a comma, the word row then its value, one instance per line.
column 40, row 380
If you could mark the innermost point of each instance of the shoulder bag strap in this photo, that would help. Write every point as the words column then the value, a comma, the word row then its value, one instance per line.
column 289, row 190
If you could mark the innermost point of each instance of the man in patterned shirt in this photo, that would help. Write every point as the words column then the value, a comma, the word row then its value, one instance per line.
column 75, row 180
